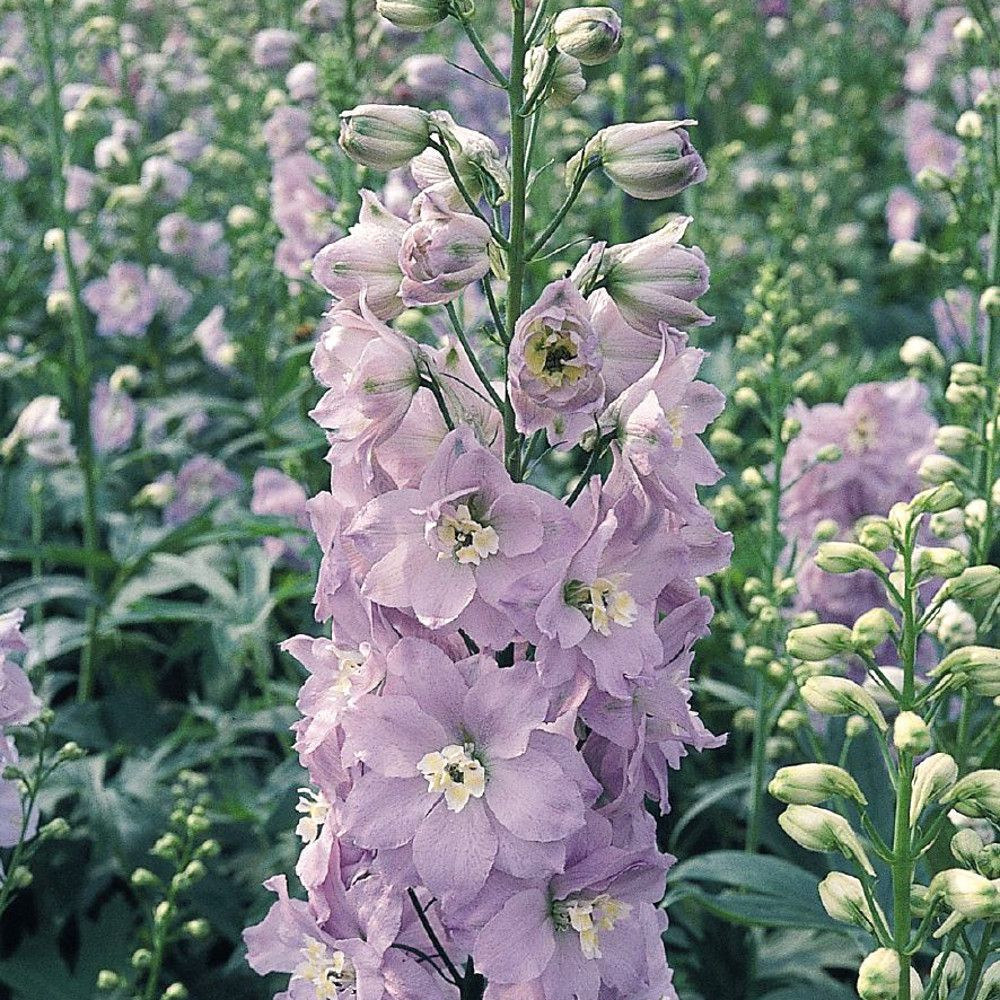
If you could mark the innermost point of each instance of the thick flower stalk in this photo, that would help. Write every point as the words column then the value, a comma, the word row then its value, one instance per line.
column 505, row 682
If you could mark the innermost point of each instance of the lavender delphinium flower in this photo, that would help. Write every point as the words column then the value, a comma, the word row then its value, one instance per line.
column 200, row 482
column 112, row 418
column 124, row 302
column 882, row 432
column 275, row 493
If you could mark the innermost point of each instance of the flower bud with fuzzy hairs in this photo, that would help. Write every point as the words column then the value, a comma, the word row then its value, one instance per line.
column 593, row 35
column 384, row 136
column 977, row 795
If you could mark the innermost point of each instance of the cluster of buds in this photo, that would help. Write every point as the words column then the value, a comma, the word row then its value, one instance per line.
column 178, row 864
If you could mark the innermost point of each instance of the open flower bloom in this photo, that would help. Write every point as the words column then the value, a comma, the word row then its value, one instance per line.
column 590, row 931
column 442, row 253
column 554, row 367
column 459, row 768
column 372, row 373
column 349, row 955
column 123, row 301
column 594, row 613
column 452, row 546
column 366, row 261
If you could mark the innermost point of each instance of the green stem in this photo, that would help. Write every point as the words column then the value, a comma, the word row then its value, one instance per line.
column 516, row 257
column 81, row 366
column 758, row 763
column 477, row 366
column 477, row 44
column 564, row 208
column 978, row 961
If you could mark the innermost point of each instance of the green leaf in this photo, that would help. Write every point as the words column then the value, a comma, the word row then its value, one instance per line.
column 766, row 891
column 27, row 592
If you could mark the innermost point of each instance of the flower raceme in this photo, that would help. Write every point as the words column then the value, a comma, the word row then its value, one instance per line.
column 505, row 679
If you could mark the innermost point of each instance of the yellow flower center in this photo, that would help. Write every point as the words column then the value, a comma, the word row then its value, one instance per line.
column 330, row 973
column 552, row 356
column 350, row 663
column 588, row 917
column 456, row 773
column 604, row 602
column 465, row 538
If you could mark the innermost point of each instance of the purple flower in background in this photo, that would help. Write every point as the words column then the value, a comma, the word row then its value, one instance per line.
column 459, row 768
column 302, row 81
column 177, row 234
column 902, row 214
column 952, row 315
column 274, row 493
column 80, row 185
column 13, row 166
column 273, row 47
column 124, row 302
column 172, row 299
column 164, row 178
column 212, row 337
column 925, row 144
column 303, row 212
column 200, row 482
column 112, row 418
column 286, row 131
column 185, row 145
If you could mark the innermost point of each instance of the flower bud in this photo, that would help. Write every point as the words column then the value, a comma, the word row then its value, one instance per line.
column 937, row 469
column 873, row 628
column 911, row 734
column 919, row 352
column 565, row 77
column 932, row 777
column 175, row 991
column 989, row 985
column 826, row 530
column 951, row 976
column 413, row 15
column 141, row 958
column 967, row 29
column 847, row 557
column 843, row 898
column 975, row 583
column 841, row 696
column 907, row 253
column 937, row 499
column 875, row 535
column 966, row 373
column 967, row 893
column 953, row 439
column 955, row 626
column 856, row 725
column 590, row 34
column 143, row 878
column 988, row 863
column 966, row 847
column 649, row 161
column 969, row 125
column 818, row 829
column 829, row 453
column 878, row 977
column 384, row 136
column 977, row 794
column 790, row 720
column 108, row 980
column 810, row 784
column 938, row 562
column 989, row 301
column 948, row 524
column 818, row 642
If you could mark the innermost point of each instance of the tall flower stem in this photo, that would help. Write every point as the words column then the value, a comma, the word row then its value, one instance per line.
column 902, row 845
column 81, row 376
column 516, row 251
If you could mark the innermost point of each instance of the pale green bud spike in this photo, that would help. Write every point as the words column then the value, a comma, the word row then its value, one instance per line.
column 873, row 628
column 847, row 557
column 966, row 847
column 968, row 894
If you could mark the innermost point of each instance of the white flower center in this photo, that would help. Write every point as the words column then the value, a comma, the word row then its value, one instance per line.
column 465, row 538
column 351, row 663
column 675, row 423
column 456, row 773
column 315, row 809
column 604, row 602
column 588, row 917
column 331, row 974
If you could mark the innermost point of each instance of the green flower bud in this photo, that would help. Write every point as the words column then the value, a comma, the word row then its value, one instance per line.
column 744, row 719
column 826, row 530
column 818, row 829
column 876, row 535
column 919, row 352
column 141, row 958
column 911, row 734
column 175, row 991
column 989, row 301
column 967, row 893
column 920, row 904
column 977, row 795
column 952, row 975
column 21, row 877
column 932, row 777
column 989, row 985
column 873, row 628
column 966, row 847
column 938, row 562
column 908, row 253
column 938, row 469
column 967, row 30
column 197, row 929
column 810, row 784
column 969, row 125
column 413, row 15
column 144, row 878
column 948, row 524
column 790, row 720
column 966, row 373
column 566, row 81
column 953, row 439
column 593, row 35
column 847, row 557
column 841, row 696
column 108, row 980
column 940, row 498
column 976, row 583
column 162, row 913
column 988, row 863
column 757, row 657
column 856, row 725
column 384, row 136
column 844, row 899
column 878, row 977
column 829, row 453
column 818, row 642
column 724, row 443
